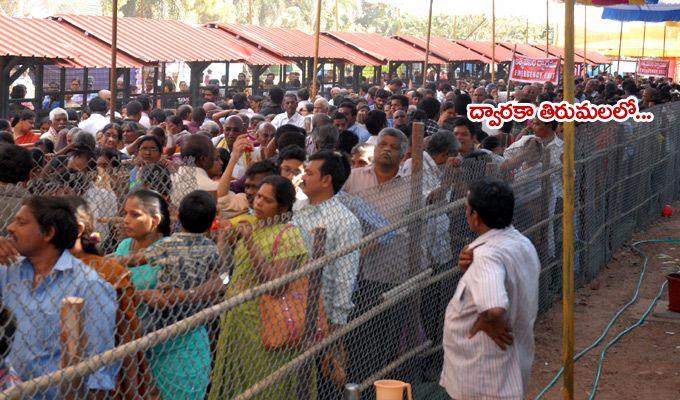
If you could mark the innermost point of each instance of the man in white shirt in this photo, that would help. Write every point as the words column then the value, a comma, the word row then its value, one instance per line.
column 106, row 96
column 198, row 153
column 97, row 119
column 290, row 115
column 145, row 101
column 489, row 323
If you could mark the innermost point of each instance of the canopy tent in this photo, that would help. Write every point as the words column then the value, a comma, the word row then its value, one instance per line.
column 444, row 48
column 631, row 44
column 293, row 43
column 646, row 13
column 649, row 13
column 160, row 40
column 383, row 48
column 485, row 48
column 524, row 49
column 68, row 46
column 612, row 2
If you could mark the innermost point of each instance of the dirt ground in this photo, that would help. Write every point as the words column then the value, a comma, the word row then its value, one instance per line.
column 645, row 364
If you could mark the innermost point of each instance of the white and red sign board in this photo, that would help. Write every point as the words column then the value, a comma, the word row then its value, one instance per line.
column 649, row 67
column 525, row 69
column 578, row 69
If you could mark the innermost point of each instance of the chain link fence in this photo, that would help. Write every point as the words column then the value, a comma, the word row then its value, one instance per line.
column 298, row 305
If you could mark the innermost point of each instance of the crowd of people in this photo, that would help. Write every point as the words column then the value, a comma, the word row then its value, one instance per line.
column 156, row 214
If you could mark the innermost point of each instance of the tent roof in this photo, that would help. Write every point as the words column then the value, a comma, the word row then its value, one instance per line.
column 444, row 48
column 160, row 40
column 485, row 48
column 383, row 48
column 293, row 43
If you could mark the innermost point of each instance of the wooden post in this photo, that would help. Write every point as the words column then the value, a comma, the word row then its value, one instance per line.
column 337, row 16
column 195, row 81
column 493, row 41
column 62, row 83
column 547, row 28
column 568, row 214
column 315, row 87
column 415, row 229
column 427, row 46
column 40, row 84
column 417, row 137
column 4, row 89
column 114, row 50
column 618, row 63
column 585, row 42
column 156, row 73
column 73, row 341
column 311, row 313
column 526, row 32
column 126, row 88
column 84, row 87
column 507, row 91
column 250, row 12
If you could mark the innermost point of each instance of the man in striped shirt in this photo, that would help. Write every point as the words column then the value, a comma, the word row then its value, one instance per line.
column 488, row 328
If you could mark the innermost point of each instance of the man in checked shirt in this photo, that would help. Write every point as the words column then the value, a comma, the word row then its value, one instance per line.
column 489, row 323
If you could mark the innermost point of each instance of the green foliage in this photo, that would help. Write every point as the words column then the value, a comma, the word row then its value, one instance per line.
column 353, row 15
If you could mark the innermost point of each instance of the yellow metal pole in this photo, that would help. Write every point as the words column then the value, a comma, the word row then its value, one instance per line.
column 547, row 28
column 618, row 63
column 114, row 51
column 663, row 51
column 455, row 26
column 398, row 21
column 568, row 214
column 493, row 41
column 427, row 46
column 644, row 38
column 585, row 41
column 337, row 16
column 317, row 31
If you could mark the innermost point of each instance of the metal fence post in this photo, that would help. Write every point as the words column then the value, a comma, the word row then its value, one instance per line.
column 352, row 392
column 311, row 313
column 73, row 343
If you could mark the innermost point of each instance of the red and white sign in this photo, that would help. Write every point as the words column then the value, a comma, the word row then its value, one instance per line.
column 578, row 69
column 525, row 69
column 649, row 67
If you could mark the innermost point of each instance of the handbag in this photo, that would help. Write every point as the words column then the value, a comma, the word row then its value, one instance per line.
column 283, row 316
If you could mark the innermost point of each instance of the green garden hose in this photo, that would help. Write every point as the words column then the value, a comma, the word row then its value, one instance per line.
column 615, row 318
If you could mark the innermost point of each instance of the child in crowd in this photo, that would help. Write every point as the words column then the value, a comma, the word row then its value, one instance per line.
column 189, row 261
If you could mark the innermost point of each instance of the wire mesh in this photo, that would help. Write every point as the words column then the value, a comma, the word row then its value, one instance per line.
column 301, row 304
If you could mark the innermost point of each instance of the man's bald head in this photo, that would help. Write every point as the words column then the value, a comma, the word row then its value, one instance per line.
column 479, row 95
column 321, row 106
column 209, row 106
column 200, row 149
column 106, row 96
column 233, row 128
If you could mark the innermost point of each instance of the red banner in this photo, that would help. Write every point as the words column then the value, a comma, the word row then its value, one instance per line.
column 649, row 67
column 525, row 69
